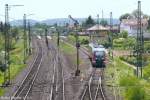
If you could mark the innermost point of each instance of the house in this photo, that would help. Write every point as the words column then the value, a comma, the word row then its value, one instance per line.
column 114, row 29
column 130, row 25
column 98, row 30
column 102, row 31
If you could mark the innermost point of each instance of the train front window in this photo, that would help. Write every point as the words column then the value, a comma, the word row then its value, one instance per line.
column 99, row 53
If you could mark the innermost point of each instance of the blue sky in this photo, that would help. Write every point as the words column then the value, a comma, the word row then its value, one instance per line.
column 46, row 9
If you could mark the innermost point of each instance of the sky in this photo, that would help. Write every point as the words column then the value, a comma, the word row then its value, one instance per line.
column 49, row 9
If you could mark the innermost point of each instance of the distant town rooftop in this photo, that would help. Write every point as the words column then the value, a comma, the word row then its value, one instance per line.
column 101, row 28
column 133, row 22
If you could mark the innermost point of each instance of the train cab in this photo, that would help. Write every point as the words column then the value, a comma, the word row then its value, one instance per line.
column 98, row 57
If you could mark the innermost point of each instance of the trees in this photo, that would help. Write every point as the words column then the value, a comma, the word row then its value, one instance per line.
column 124, row 16
column 149, row 22
column 104, row 22
column 15, row 33
column 144, row 16
column 40, row 25
column 88, row 22
column 124, row 34
column 1, row 26
column 135, row 13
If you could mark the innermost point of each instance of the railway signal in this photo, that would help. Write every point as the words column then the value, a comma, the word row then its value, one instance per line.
column 58, row 36
column 77, row 73
column 46, row 40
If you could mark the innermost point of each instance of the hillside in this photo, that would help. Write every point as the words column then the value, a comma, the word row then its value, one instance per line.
column 60, row 21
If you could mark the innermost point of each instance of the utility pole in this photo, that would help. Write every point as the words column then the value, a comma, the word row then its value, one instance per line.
column 111, row 34
column 7, row 47
column 58, row 43
column 98, row 25
column 140, row 41
column 29, row 34
column 98, row 19
column 77, row 73
column 58, row 36
column 102, row 15
column 25, row 38
column 102, row 19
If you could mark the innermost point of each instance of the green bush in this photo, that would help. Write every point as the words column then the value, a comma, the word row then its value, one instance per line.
column 123, row 58
column 106, row 44
column 124, row 43
column 84, row 41
column 135, row 93
column 147, row 72
column 147, row 47
column 71, row 39
column 131, row 60
column 133, row 89
column 128, row 81
column 118, row 41
column 123, row 34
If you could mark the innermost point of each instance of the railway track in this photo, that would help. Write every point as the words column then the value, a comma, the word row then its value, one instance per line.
column 60, row 90
column 53, row 88
column 26, row 86
column 94, row 88
column 45, row 84
column 57, row 87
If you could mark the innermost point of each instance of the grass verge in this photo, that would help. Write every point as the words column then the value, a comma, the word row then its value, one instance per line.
column 16, row 59
column 122, row 79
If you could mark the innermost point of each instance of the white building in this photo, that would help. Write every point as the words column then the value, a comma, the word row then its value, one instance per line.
column 130, row 25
